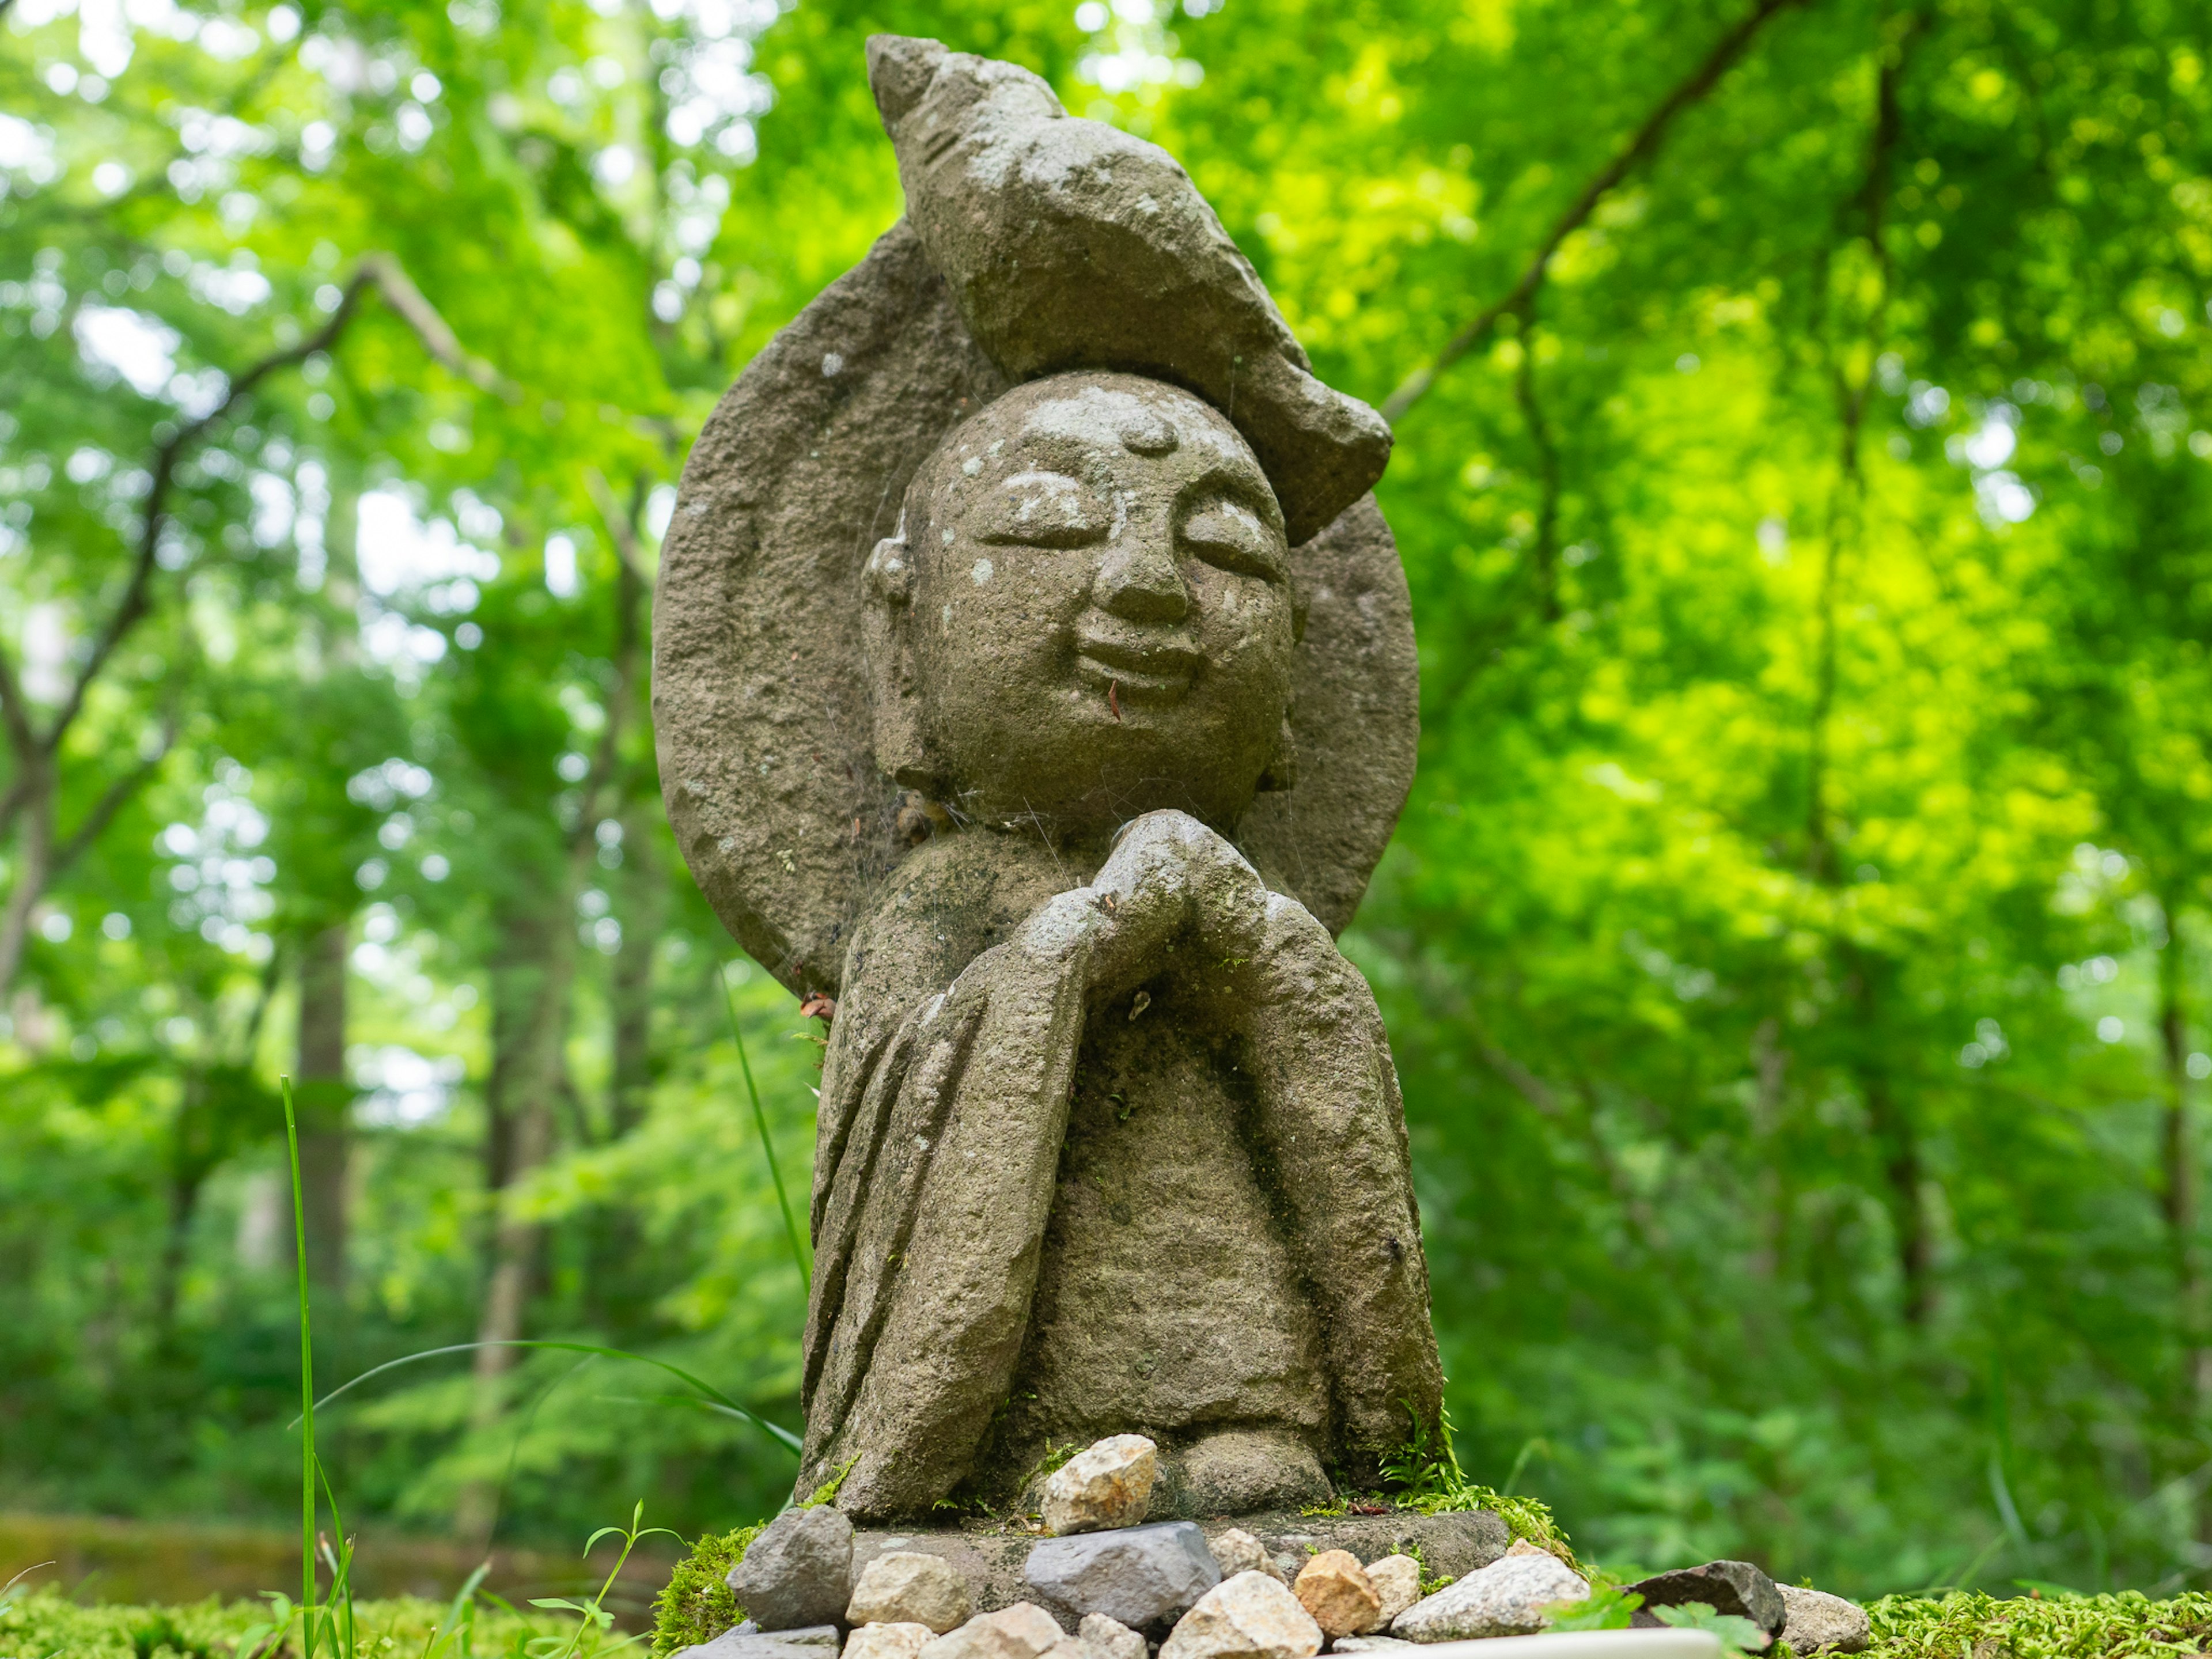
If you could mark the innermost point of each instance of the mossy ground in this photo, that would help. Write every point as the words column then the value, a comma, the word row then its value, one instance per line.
column 697, row 1606
column 46, row 1625
column 1959, row 1626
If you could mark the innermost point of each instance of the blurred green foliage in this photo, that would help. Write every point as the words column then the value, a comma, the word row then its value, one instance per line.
column 1795, row 947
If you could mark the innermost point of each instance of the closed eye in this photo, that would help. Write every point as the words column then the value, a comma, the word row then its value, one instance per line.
column 1044, row 509
column 1231, row 536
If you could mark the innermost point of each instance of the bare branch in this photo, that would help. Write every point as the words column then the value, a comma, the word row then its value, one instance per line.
column 1639, row 148
column 137, row 595
column 439, row 340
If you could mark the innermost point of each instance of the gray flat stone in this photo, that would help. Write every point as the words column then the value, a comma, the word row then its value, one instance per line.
column 1137, row 1576
column 749, row 1641
column 799, row 1573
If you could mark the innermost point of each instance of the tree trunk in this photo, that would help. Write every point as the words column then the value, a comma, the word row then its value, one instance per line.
column 33, row 862
column 530, row 1028
column 2178, row 1188
column 631, row 989
column 322, row 1097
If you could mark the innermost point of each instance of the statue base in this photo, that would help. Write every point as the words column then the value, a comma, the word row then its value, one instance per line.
column 991, row 1555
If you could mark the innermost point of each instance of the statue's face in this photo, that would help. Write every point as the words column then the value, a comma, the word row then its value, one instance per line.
column 1097, row 605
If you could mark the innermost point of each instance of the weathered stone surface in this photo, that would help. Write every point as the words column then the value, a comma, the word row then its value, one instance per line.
column 1397, row 1581
column 1733, row 1587
column 749, row 1641
column 1454, row 1544
column 1244, row 1469
column 1370, row 1644
column 893, row 1640
column 1336, row 1589
column 1068, row 242
column 911, row 1586
column 991, row 1560
column 1137, row 1576
column 1060, row 670
column 1251, row 1616
column 1506, row 1598
column 1108, row 1483
column 1238, row 1551
column 1816, row 1619
column 799, row 1573
column 1023, row 1631
column 1110, row 1638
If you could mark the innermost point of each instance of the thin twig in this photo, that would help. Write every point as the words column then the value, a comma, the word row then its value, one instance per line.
column 1700, row 81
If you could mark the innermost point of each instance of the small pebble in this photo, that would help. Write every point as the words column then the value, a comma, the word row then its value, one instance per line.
column 1397, row 1580
column 1251, row 1616
column 907, row 1587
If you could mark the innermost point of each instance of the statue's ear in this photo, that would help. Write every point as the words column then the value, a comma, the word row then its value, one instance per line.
column 900, row 744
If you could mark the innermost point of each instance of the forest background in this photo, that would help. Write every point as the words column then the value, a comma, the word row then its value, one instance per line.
column 1795, row 948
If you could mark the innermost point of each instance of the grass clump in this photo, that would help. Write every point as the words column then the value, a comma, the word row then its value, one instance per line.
column 2127, row 1625
column 48, row 1623
column 697, row 1605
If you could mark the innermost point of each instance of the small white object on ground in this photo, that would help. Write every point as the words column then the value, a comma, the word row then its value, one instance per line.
column 1251, row 1616
column 1108, row 1484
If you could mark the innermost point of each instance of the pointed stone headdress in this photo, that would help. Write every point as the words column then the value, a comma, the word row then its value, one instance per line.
column 1035, row 242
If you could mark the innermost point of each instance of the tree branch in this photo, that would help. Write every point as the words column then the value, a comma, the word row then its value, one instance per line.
column 438, row 339
column 111, row 802
column 1646, row 140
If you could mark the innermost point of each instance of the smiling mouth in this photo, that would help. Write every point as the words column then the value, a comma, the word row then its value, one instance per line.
column 1146, row 671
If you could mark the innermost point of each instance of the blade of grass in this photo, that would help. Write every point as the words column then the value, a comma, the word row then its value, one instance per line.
column 307, row 1418
column 783, row 1435
column 760, row 1120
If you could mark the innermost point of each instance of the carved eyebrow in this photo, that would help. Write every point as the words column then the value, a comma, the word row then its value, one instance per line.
column 1233, row 483
column 1040, row 509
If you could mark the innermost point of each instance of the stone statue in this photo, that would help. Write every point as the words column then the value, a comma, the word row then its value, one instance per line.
column 1035, row 676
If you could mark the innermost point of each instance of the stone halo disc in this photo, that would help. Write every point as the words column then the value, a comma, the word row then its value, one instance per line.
column 761, row 707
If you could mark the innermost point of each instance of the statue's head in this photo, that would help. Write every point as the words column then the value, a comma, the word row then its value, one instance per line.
column 1087, row 612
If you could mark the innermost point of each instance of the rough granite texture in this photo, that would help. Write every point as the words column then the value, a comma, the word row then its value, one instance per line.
column 1453, row 1545
column 1731, row 1587
column 1335, row 1590
column 1110, row 1638
column 1034, row 720
column 748, row 1641
column 1106, row 1485
column 1817, row 1620
column 1251, row 1616
column 1506, row 1598
column 1145, row 1577
column 910, row 1587
column 799, row 1573
column 888, row 1641
column 1069, row 243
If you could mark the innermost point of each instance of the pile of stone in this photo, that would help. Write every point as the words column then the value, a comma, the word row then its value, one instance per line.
column 1104, row 1584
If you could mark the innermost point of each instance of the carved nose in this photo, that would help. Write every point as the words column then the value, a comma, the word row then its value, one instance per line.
column 1139, row 582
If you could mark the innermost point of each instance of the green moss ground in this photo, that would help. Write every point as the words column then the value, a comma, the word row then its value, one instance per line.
column 48, row 1625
